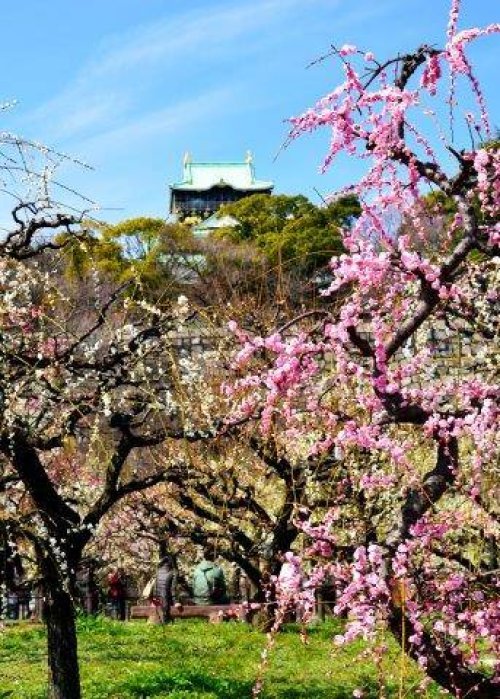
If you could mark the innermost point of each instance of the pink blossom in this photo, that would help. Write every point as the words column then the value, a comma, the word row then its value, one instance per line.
column 347, row 50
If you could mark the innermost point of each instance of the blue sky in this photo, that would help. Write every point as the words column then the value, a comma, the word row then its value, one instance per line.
column 130, row 85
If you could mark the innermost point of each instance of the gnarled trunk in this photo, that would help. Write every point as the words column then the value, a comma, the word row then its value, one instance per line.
column 64, row 674
column 445, row 667
column 58, row 609
column 59, row 615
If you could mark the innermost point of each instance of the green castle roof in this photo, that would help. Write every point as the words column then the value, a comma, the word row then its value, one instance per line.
column 213, row 223
column 200, row 177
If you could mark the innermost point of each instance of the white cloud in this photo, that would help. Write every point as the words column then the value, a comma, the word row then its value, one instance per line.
column 109, row 87
column 149, row 89
column 158, row 123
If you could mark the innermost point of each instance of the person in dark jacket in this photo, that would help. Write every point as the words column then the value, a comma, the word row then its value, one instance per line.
column 165, row 588
column 240, row 586
column 208, row 583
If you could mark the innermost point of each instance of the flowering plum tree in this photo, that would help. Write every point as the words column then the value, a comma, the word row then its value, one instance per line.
column 416, row 445
column 241, row 495
column 86, row 383
column 239, row 492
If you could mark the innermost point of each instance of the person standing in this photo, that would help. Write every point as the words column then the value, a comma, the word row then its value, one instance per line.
column 240, row 586
column 165, row 588
column 117, row 594
column 209, row 583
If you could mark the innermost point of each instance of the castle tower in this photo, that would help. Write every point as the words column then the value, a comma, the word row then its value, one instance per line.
column 205, row 186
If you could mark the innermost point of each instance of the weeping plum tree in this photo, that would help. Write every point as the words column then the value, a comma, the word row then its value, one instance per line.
column 359, row 377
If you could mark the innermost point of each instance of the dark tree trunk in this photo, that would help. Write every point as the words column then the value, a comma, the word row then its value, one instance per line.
column 64, row 674
column 58, row 609
column 59, row 615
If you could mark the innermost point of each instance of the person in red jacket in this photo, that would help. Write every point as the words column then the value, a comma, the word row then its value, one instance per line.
column 117, row 593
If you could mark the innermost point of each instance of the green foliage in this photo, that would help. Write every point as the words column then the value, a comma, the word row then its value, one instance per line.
column 196, row 660
column 439, row 203
column 156, row 256
column 138, row 250
column 139, row 236
column 290, row 229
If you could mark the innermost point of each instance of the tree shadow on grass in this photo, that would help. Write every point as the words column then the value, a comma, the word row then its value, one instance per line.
column 184, row 684
column 153, row 684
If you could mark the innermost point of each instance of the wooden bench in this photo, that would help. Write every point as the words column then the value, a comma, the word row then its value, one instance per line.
column 193, row 611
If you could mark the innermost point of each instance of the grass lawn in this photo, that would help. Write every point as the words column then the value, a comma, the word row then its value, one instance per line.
column 197, row 660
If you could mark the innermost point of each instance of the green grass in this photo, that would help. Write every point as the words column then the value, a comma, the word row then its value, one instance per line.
column 196, row 660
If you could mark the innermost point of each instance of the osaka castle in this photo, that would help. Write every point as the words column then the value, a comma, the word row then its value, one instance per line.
column 206, row 186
